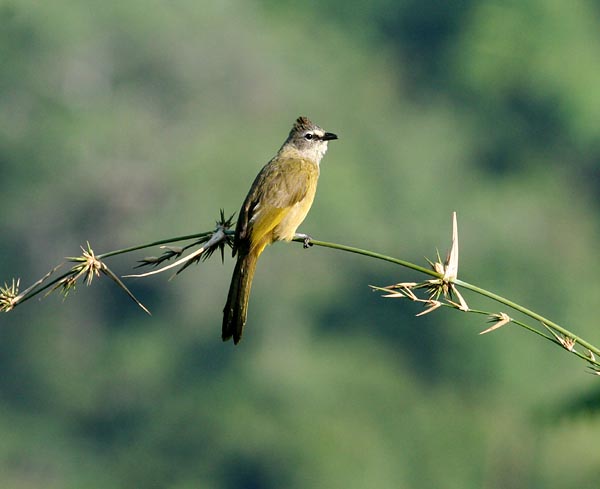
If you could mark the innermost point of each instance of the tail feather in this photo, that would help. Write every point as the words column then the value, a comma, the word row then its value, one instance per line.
column 236, row 307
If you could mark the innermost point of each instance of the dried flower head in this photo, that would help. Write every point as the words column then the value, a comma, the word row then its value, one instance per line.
column 9, row 295
column 90, row 266
column 448, row 270
column 567, row 342
column 442, row 286
column 211, row 242
column 499, row 320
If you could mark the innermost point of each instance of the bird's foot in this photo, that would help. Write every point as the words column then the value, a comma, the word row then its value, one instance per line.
column 306, row 239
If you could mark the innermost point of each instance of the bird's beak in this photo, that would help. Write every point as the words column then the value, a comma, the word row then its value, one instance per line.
column 328, row 136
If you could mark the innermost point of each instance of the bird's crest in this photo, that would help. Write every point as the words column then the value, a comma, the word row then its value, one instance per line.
column 303, row 124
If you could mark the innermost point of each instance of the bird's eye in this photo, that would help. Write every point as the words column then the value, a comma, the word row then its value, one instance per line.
column 308, row 136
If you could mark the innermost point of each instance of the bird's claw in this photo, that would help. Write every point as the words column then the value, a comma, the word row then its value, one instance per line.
column 306, row 239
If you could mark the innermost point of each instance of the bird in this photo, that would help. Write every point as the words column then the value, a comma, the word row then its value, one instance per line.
column 278, row 201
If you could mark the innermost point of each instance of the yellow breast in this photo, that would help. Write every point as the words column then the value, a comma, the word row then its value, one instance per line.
column 289, row 190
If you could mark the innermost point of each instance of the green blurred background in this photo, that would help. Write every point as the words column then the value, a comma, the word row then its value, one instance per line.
column 122, row 122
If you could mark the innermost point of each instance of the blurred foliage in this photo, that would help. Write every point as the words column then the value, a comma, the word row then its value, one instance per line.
column 123, row 122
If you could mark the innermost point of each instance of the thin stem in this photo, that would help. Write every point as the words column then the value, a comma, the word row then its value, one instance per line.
column 371, row 254
column 527, row 312
column 154, row 243
column 36, row 290
column 516, row 321
column 378, row 256
column 468, row 286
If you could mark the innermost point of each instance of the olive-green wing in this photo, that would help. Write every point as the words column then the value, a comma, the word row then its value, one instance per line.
column 276, row 188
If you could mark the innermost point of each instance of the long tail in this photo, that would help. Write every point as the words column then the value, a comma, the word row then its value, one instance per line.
column 236, row 308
